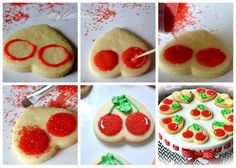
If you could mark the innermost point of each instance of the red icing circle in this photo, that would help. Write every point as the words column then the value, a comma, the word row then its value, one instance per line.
column 206, row 113
column 210, row 57
column 178, row 54
column 105, row 60
column 63, row 62
column 200, row 136
column 167, row 101
column 219, row 132
column 172, row 126
column 200, row 90
column 110, row 124
column 137, row 123
column 12, row 57
column 228, row 128
column 195, row 112
column 211, row 92
column 61, row 124
column 231, row 118
column 164, row 107
column 128, row 55
column 33, row 140
column 187, row 134
column 166, row 120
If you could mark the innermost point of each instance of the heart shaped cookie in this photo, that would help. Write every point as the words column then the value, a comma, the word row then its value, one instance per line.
column 227, row 115
column 40, row 132
column 198, row 53
column 40, row 49
column 172, row 124
column 123, row 118
column 201, row 112
column 220, row 130
column 204, row 95
column 169, row 106
column 194, row 133
column 113, row 54
column 183, row 96
column 223, row 100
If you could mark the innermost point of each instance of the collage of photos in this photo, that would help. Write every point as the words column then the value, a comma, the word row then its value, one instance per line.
column 143, row 84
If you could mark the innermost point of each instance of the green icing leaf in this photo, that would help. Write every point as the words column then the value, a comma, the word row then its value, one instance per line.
column 175, row 105
column 201, row 107
column 219, row 100
column 186, row 98
column 109, row 159
column 202, row 95
column 196, row 127
column 121, row 103
column 178, row 119
column 225, row 111
column 218, row 124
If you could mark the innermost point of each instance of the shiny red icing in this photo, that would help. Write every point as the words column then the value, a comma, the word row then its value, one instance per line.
column 206, row 113
column 178, row 54
column 128, row 56
column 219, row 132
column 195, row 112
column 12, row 57
column 200, row 136
column 106, row 60
column 137, row 123
column 173, row 126
column 200, row 90
column 187, row 134
column 63, row 49
column 167, row 120
column 164, row 107
column 228, row 128
column 33, row 140
column 61, row 124
column 231, row 118
column 211, row 92
column 167, row 101
column 210, row 57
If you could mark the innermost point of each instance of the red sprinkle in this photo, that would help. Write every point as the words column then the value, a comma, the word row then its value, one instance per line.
column 164, row 108
column 167, row 101
column 200, row 136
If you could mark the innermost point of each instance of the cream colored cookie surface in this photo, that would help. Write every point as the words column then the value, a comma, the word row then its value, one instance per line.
column 223, row 100
column 172, row 124
column 117, row 40
column 38, row 117
column 110, row 159
column 220, row 130
column 204, row 95
column 85, row 89
column 39, row 35
column 169, row 106
column 183, row 96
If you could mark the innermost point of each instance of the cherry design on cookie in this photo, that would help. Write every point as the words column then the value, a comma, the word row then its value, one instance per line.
column 223, row 100
column 195, row 133
column 220, row 130
column 201, row 112
column 227, row 115
column 203, row 94
column 172, row 124
column 169, row 106
column 183, row 96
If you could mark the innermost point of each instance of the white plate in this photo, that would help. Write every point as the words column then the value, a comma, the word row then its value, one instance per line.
column 140, row 20
column 209, row 16
column 141, row 153
column 67, row 26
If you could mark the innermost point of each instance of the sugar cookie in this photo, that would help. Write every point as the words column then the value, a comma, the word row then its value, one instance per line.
column 201, row 112
column 204, row 95
column 172, row 124
column 220, row 130
column 223, row 100
column 169, row 106
column 183, row 96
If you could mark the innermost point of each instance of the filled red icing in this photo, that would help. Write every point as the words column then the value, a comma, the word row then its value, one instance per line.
column 206, row 113
column 231, row 118
column 195, row 112
column 61, row 124
column 167, row 101
column 210, row 57
column 137, row 123
column 228, row 128
column 187, row 134
column 128, row 57
column 200, row 136
column 167, row 120
column 33, row 140
column 63, row 49
column 211, row 92
column 173, row 126
column 110, row 124
column 200, row 90
column 106, row 60
column 164, row 107
column 178, row 54
column 219, row 132
column 12, row 57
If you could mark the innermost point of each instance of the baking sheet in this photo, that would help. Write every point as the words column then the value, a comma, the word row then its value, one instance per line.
column 59, row 16
column 140, row 20
column 214, row 17
column 141, row 153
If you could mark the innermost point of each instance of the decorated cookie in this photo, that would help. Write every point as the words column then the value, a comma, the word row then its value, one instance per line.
column 204, row 95
column 227, row 115
column 223, row 100
column 40, row 49
column 84, row 90
column 194, row 133
column 40, row 132
column 220, row 130
column 201, row 112
column 198, row 53
column 184, row 96
column 172, row 124
column 123, row 118
column 169, row 106
column 110, row 159
column 113, row 54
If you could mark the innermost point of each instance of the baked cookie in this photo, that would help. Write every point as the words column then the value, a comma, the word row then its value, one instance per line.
column 169, row 106
column 204, row 95
column 40, row 49
column 223, row 100
column 227, row 115
column 172, row 124
column 183, row 96
column 220, row 130
column 195, row 134
column 123, row 118
column 198, row 53
column 113, row 54
column 201, row 112
column 40, row 132
column 84, row 90
column 110, row 159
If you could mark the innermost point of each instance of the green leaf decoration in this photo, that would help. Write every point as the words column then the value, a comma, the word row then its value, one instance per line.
column 186, row 98
column 196, row 127
column 219, row 100
column 218, row 124
column 174, row 105
column 202, row 95
column 201, row 107
column 122, row 103
column 109, row 159
column 178, row 119
column 225, row 111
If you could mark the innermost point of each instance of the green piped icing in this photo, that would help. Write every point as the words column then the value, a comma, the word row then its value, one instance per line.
column 219, row 100
column 202, row 95
column 109, row 159
column 178, row 119
column 226, row 111
column 201, row 107
column 196, row 127
column 186, row 98
column 175, row 105
column 218, row 124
